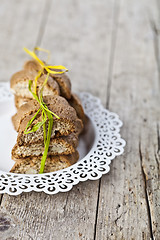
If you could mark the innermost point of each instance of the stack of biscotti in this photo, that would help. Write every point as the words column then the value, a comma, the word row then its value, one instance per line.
column 28, row 150
column 57, row 85
column 59, row 99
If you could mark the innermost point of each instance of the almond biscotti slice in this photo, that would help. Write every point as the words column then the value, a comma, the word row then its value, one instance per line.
column 56, row 104
column 64, row 84
column 19, row 84
column 62, row 79
column 58, row 146
column 68, row 122
column 53, row 163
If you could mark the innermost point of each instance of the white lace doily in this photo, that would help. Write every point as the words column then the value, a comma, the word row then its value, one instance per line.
column 107, row 145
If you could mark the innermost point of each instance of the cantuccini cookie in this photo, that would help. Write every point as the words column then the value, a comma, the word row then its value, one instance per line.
column 19, row 84
column 68, row 122
column 58, row 146
column 53, row 163
column 62, row 80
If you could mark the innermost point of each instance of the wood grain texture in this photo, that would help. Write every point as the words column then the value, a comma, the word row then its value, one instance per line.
column 83, row 45
column 19, row 27
column 78, row 35
column 150, row 134
column 112, row 50
column 130, row 193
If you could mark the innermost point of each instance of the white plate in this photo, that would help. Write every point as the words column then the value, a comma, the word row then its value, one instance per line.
column 98, row 145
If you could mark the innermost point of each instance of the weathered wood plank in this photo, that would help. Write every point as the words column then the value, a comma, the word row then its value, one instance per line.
column 19, row 26
column 128, row 204
column 79, row 36
column 150, row 140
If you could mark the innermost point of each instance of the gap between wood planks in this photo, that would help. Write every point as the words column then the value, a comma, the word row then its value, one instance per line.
column 146, row 193
column 116, row 14
column 156, row 33
column 1, row 198
column 43, row 22
column 158, row 150
column 39, row 37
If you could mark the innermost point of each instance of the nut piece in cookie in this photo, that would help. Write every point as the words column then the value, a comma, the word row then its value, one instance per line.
column 19, row 101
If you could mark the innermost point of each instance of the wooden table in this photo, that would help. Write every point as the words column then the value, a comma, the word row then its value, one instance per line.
column 112, row 50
